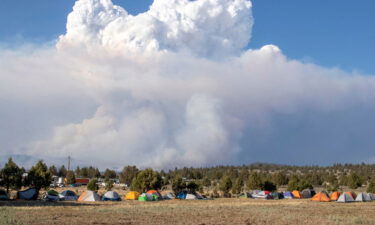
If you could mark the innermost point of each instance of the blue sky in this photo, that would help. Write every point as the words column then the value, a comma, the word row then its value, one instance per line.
column 329, row 33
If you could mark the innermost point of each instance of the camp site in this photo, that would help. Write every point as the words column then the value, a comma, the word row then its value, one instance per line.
column 187, row 112
column 252, row 194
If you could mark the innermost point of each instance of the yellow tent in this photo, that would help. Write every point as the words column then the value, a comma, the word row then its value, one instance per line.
column 133, row 195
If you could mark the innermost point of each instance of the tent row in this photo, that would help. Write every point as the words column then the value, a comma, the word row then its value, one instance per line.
column 343, row 197
column 310, row 194
column 257, row 194
column 52, row 195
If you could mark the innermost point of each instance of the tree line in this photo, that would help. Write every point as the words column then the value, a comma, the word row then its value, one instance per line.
column 226, row 180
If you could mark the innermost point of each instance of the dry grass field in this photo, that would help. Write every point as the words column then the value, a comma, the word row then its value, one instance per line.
column 218, row 211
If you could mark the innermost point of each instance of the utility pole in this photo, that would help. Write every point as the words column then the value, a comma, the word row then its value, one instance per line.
column 69, row 163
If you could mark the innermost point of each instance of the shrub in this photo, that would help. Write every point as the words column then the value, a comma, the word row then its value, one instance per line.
column 92, row 185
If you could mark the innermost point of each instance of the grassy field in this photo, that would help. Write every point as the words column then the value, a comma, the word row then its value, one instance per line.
column 218, row 211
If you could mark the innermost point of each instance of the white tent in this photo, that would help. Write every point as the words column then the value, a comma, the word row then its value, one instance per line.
column 111, row 196
column 89, row 196
column 191, row 197
column 345, row 197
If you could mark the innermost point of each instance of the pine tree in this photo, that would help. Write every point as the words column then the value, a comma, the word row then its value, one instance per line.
column 11, row 175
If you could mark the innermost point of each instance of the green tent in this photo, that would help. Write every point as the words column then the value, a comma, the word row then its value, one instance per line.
column 142, row 198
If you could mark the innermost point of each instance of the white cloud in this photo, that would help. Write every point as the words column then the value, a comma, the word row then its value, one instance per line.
column 170, row 87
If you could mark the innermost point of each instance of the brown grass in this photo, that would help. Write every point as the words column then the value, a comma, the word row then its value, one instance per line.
column 219, row 211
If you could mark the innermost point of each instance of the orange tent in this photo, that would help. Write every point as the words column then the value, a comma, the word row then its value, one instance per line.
column 335, row 195
column 296, row 194
column 154, row 192
column 321, row 197
column 351, row 194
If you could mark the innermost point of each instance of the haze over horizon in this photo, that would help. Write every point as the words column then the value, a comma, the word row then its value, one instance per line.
column 178, row 85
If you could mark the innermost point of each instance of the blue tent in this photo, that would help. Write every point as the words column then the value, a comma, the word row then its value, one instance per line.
column 181, row 195
column 288, row 194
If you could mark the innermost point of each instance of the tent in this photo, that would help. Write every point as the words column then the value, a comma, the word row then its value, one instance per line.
column 277, row 195
column 29, row 194
column 169, row 196
column 133, row 195
column 111, row 196
column 156, row 193
column 362, row 197
column 335, row 195
column 345, row 197
column 51, row 196
column 68, row 196
column 368, row 197
column 263, row 195
column 296, row 194
column 354, row 196
column 191, row 197
column 89, row 196
column 307, row 193
column 147, row 197
column 181, row 195
column 3, row 195
column 321, row 197
column 288, row 194
column 372, row 196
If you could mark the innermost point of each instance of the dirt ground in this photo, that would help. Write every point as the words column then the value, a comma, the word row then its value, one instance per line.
column 218, row 211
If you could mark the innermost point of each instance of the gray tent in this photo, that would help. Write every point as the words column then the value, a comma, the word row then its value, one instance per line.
column 29, row 194
column 169, row 196
column 307, row 193
column 345, row 197
column 372, row 196
column 68, row 196
column 362, row 197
